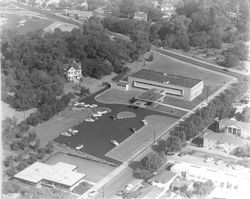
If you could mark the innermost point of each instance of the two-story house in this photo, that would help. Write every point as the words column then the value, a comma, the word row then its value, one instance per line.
column 141, row 16
column 240, row 129
column 73, row 71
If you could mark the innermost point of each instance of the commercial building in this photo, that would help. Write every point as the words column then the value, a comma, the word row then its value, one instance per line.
column 234, row 127
column 185, row 88
column 234, row 180
column 223, row 142
column 61, row 175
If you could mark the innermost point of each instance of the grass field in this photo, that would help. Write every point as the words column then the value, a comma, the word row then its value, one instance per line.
column 170, row 110
column 94, row 171
column 116, row 96
column 52, row 128
column 23, row 24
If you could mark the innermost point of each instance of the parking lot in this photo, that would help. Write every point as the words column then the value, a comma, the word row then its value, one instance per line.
column 96, row 136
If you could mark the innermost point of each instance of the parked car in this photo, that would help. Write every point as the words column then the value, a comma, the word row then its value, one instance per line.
column 218, row 162
column 181, row 154
column 209, row 159
column 226, row 70
column 128, row 187
column 92, row 193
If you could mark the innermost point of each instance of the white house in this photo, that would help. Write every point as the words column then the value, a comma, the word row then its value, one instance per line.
column 141, row 16
column 240, row 129
column 73, row 71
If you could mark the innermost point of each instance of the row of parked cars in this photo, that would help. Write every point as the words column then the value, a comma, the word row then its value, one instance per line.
column 83, row 104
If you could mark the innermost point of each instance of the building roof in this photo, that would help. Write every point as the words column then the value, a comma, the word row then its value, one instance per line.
column 242, row 125
column 164, row 78
column 61, row 173
column 226, row 138
column 164, row 177
column 75, row 65
column 151, row 95
column 140, row 15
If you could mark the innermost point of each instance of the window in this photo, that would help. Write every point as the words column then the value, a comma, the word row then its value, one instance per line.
column 234, row 131
column 229, row 129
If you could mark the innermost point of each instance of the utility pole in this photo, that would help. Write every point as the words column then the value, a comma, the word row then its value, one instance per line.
column 154, row 136
column 103, row 196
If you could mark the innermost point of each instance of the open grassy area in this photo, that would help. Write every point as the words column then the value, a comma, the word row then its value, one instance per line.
column 145, row 135
column 23, row 24
column 52, row 128
column 116, row 96
column 94, row 171
column 170, row 110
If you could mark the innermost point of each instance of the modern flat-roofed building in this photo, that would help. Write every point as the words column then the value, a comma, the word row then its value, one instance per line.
column 233, row 179
column 234, row 127
column 60, row 175
column 172, row 85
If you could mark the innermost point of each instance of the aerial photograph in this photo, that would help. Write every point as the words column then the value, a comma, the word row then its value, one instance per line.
column 125, row 99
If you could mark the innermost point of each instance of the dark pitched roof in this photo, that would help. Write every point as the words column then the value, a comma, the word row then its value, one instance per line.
column 75, row 65
column 164, row 77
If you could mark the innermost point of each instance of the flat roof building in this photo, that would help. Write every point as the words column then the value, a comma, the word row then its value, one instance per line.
column 60, row 175
column 235, row 180
column 173, row 85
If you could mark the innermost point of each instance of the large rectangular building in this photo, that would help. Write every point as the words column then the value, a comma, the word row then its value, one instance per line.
column 172, row 85
column 60, row 175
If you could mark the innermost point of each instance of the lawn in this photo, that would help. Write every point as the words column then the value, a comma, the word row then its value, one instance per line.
column 52, row 128
column 116, row 96
column 30, row 23
column 155, row 126
column 170, row 110
column 94, row 171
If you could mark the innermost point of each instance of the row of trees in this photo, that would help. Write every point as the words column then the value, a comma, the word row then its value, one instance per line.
column 193, row 24
column 220, row 107
column 19, row 138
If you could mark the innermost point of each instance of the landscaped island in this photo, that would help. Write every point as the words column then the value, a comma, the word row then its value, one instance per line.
column 125, row 114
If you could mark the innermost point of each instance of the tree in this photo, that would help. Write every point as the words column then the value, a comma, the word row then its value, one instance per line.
column 246, row 114
column 9, row 161
column 231, row 60
column 173, row 144
column 199, row 39
column 141, row 41
column 143, row 174
column 152, row 162
column 240, row 50
column 127, row 8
